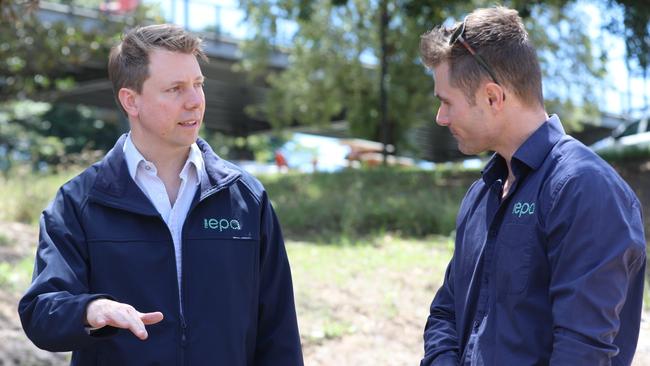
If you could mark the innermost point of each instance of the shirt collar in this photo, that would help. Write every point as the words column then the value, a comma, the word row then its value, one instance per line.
column 530, row 154
column 534, row 150
column 195, row 160
column 134, row 158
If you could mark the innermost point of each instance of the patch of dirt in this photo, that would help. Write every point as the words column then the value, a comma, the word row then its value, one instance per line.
column 382, row 319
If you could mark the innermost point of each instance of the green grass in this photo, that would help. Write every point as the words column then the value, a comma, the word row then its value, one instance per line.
column 16, row 276
column 23, row 196
column 3, row 240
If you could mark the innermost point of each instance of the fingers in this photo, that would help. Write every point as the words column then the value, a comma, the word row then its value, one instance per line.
column 151, row 318
column 132, row 322
column 103, row 312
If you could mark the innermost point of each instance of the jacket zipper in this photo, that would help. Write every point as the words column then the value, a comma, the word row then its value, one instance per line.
column 208, row 193
column 183, row 337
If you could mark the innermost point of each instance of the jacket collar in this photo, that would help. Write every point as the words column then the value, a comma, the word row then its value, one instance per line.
column 115, row 186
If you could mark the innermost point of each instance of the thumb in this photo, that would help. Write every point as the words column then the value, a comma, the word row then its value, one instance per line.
column 151, row 318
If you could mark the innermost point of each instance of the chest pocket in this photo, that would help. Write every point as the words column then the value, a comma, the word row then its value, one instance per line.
column 514, row 258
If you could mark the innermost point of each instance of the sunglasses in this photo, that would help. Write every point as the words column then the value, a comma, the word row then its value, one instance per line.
column 457, row 36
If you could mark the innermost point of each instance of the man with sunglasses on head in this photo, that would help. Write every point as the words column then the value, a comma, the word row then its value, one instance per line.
column 548, row 266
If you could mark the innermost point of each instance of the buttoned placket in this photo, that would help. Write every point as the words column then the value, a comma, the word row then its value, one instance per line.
column 494, row 212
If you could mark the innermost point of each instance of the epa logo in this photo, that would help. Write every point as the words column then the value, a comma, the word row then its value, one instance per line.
column 524, row 208
column 221, row 224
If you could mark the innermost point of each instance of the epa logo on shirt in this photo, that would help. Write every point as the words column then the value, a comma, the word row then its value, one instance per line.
column 523, row 208
column 221, row 224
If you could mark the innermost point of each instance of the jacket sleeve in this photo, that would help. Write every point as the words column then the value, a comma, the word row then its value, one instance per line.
column 596, row 251
column 278, row 339
column 440, row 337
column 53, row 309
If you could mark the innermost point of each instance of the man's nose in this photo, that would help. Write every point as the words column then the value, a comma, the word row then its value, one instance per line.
column 441, row 117
column 194, row 98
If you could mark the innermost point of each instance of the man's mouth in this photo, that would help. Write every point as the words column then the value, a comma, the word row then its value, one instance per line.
column 188, row 123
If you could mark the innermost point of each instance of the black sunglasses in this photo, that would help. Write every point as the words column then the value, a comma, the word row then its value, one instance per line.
column 457, row 36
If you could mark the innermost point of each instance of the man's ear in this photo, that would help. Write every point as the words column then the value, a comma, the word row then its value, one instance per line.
column 495, row 95
column 128, row 99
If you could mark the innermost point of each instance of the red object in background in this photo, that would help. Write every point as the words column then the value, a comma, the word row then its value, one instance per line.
column 280, row 160
column 119, row 6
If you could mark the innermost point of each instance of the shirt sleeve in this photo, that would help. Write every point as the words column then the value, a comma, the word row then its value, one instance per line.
column 596, row 251
column 278, row 339
column 440, row 337
column 53, row 309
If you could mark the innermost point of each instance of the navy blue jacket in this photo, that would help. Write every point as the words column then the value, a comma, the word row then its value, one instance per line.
column 102, row 237
column 552, row 273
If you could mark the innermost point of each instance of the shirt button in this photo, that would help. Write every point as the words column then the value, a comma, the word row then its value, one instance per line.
column 147, row 167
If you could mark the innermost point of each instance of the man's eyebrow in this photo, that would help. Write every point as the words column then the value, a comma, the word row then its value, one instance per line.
column 177, row 82
column 441, row 97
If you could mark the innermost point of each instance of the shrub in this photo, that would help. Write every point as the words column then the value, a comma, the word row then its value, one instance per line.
column 362, row 202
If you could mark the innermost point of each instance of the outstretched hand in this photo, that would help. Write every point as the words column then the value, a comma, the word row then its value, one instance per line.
column 103, row 312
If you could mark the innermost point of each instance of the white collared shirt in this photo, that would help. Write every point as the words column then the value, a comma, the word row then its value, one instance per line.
column 144, row 173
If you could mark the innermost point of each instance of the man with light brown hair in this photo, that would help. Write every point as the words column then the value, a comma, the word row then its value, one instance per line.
column 550, row 251
column 162, row 253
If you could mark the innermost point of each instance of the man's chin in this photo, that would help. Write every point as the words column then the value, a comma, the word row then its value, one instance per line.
column 466, row 150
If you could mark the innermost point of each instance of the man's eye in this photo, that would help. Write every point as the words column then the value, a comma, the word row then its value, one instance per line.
column 174, row 89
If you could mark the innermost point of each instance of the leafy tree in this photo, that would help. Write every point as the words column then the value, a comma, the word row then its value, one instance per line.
column 636, row 30
column 19, row 144
column 38, row 58
column 333, row 73
column 44, row 137
column 335, row 54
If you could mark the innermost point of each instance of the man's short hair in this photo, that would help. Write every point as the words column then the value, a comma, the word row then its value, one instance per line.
column 498, row 35
column 128, row 62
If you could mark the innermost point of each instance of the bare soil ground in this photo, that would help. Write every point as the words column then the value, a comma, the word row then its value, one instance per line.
column 357, row 306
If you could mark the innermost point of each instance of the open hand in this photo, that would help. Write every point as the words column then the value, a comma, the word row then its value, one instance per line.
column 103, row 312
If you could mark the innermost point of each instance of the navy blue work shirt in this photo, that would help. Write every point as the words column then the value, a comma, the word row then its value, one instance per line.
column 550, row 274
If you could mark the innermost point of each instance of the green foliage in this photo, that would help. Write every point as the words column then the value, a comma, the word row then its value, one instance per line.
column 79, row 127
column 364, row 202
column 38, row 56
column 45, row 136
column 626, row 154
column 334, row 73
column 24, row 196
column 636, row 30
column 37, row 60
column 570, row 73
column 258, row 147
column 16, row 276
